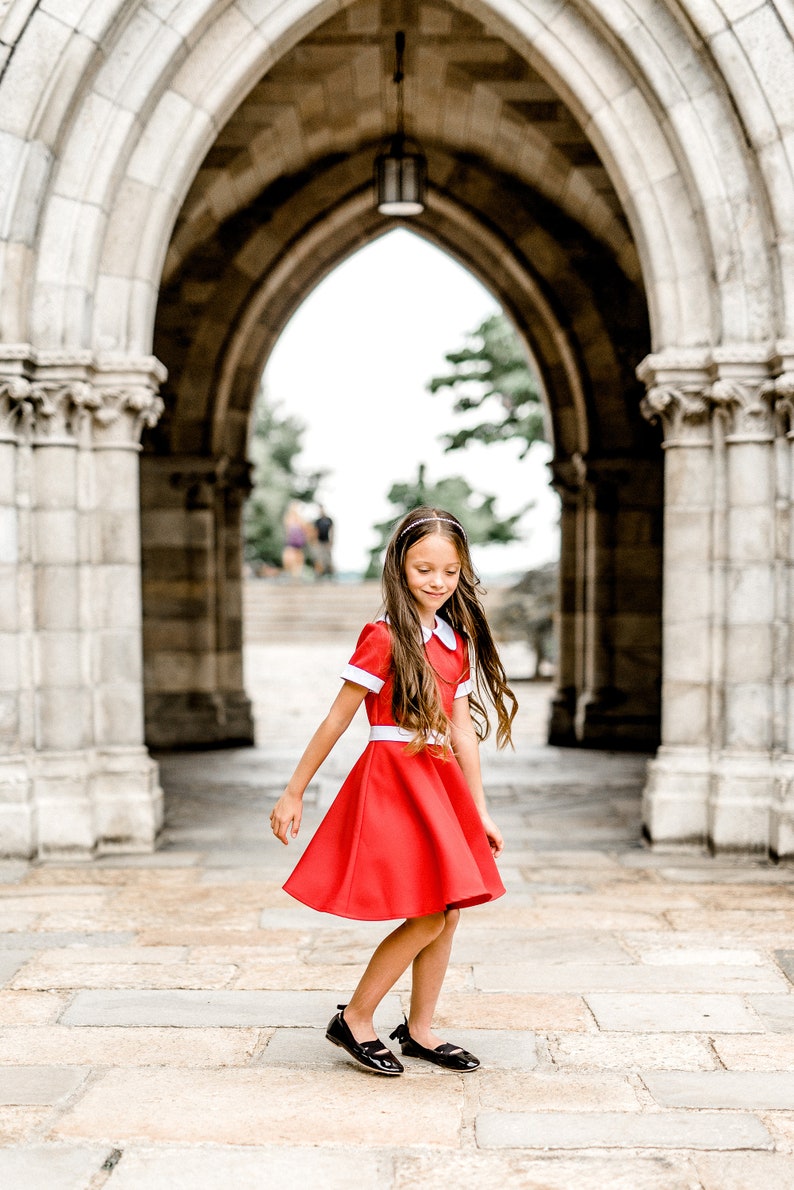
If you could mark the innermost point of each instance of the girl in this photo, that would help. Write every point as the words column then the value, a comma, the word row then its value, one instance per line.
column 408, row 834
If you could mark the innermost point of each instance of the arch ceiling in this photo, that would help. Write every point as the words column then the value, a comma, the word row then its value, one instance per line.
column 518, row 194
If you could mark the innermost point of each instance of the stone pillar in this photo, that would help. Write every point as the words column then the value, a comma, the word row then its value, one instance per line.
column 739, row 803
column 562, row 730
column 723, row 774
column 17, row 820
column 79, row 766
column 781, row 826
column 192, row 583
column 676, row 798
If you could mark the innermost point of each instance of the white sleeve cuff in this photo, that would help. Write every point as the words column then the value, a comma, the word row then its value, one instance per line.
column 360, row 677
column 464, row 689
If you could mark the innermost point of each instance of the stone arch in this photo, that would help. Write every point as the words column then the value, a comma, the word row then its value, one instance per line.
column 653, row 140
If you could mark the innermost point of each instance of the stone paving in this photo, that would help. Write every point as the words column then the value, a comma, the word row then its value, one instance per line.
column 162, row 1016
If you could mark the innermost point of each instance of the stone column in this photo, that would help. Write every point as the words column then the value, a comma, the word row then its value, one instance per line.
column 17, row 819
column 562, row 730
column 126, row 796
column 77, row 777
column 739, row 803
column 781, row 826
column 192, row 581
column 676, row 797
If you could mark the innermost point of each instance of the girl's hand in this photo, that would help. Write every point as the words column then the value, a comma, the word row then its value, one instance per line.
column 288, row 809
column 494, row 834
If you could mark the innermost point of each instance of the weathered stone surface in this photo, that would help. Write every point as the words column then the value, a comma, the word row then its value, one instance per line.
column 636, row 977
column 631, row 1051
column 10, row 962
column 742, row 1090
column 757, row 1051
column 776, row 1012
column 482, row 1010
column 137, row 1046
column 674, row 1013
column 251, row 1104
column 38, row 1084
column 609, row 1130
column 773, row 1171
column 494, row 1169
column 560, row 1091
column 31, row 1008
column 186, row 1009
column 59, row 1167
column 203, row 1168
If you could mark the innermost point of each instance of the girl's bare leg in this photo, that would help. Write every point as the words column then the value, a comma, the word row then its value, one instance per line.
column 390, row 960
column 429, row 969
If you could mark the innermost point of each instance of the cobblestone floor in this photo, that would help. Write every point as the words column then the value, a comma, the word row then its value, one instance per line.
column 162, row 1016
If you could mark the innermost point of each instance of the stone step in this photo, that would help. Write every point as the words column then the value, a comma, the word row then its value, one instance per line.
column 276, row 611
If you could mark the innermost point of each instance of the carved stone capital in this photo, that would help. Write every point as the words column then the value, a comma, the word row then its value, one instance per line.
column 781, row 393
column 684, row 411
column 119, row 414
column 746, row 408
column 16, row 409
column 58, row 407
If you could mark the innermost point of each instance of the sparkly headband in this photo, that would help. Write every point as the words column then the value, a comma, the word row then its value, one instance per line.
column 425, row 520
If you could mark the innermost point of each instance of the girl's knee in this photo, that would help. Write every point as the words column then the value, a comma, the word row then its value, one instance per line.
column 431, row 925
column 451, row 919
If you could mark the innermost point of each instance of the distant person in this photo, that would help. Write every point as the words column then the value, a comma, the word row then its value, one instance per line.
column 293, row 557
column 323, row 545
column 408, row 835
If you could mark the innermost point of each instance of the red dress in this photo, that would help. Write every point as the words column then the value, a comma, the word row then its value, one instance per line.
column 403, row 837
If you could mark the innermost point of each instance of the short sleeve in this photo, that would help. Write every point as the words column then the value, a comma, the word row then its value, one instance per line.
column 370, row 663
column 466, row 684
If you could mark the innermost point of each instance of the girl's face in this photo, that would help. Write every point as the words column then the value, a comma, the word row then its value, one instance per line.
column 432, row 570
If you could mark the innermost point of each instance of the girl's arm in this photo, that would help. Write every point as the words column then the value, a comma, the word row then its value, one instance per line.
column 466, row 747
column 289, row 807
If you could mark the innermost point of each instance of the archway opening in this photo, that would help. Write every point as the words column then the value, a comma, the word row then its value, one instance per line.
column 519, row 196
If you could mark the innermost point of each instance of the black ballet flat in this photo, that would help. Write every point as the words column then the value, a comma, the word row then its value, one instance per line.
column 451, row 1057
column 371, row 1054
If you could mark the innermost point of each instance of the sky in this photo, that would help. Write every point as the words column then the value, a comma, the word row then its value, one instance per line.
column 353, row 365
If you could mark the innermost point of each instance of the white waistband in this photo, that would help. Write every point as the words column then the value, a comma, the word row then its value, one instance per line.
column 399, row 735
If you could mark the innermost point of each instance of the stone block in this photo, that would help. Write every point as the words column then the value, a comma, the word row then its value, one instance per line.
column 631, row 1051
column 775, row 1012
column 9, row 661
column 674, row 1013
column 197, row 1167
column 161, row 1105
column 566, row 1091
column 38, row 1084
column 67, row 1167
column 55, row 482
column 63, row 718
column 55, row 537
column 773, row 1171
column 522, row 1170
column 57, row 597
column 60, row 659
column 118, row 714
column 630, row 1130
column 185, row 1048
column 118, row 596
column 725, row 1089
column 188, row 1009
column 637, row 977
column 761, row 1052
column 9, row 601
column 116, row 537
column 29, row 75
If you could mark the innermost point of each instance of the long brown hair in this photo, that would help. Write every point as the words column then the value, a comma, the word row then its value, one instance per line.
column 415, row 702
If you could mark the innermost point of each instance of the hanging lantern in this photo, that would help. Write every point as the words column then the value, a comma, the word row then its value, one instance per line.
column 400, row 171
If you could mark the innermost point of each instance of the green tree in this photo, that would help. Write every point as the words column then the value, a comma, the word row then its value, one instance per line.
column 474, row 510
column 490, row 375
column 276, row 443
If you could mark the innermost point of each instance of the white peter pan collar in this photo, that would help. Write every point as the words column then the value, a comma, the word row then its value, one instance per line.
column 443, row 630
